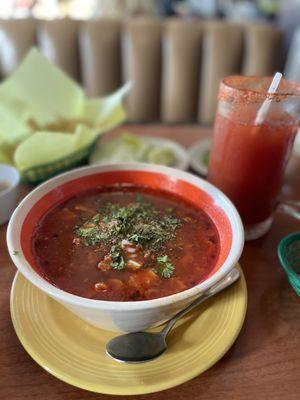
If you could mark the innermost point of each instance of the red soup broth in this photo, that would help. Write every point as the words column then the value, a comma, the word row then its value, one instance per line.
column 125, row 244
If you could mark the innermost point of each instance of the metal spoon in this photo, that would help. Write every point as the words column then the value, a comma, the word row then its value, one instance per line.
column 139, row 347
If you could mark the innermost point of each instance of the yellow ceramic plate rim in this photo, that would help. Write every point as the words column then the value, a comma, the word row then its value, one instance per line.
column 119, row 390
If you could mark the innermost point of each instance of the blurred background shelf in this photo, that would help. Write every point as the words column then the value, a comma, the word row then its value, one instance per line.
column 182, row 48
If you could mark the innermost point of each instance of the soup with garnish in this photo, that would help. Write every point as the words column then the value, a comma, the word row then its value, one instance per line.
column 125, row 244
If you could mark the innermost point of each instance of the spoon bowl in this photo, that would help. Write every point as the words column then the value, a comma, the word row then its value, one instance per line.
column 137, row 347
column 140, row 347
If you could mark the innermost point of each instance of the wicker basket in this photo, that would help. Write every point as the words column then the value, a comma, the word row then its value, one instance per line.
column 43, row 172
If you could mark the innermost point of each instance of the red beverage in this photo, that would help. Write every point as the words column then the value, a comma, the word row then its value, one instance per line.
column 247, row 161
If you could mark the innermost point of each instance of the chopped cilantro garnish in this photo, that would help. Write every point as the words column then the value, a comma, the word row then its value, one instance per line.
column 139, row 222
column 92, row 235
column 167, row 268
column 117, row 259
column 96, row 218
column 15, row 252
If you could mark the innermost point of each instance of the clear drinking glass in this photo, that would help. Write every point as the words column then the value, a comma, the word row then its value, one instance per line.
column 247, row 161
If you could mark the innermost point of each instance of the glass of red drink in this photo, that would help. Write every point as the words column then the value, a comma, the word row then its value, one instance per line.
column 247, row 159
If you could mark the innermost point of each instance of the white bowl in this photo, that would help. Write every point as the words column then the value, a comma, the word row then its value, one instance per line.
column 125, row 316
column 8, row 196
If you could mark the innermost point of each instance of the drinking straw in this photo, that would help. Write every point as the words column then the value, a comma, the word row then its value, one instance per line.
column 264, row 108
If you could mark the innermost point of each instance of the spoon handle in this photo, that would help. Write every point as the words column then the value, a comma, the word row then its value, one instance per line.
column 229, row 279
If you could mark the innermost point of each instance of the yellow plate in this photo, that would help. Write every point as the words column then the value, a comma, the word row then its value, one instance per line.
column 74, row 351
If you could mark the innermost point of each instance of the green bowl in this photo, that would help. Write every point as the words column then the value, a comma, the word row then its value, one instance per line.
column 43, row 172
column 289, row 256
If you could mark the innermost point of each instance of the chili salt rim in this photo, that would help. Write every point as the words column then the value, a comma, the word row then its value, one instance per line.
column 233, row 89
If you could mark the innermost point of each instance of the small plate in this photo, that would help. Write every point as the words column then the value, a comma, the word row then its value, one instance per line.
column 180, row 153
column 74, row 351
column 198, row 154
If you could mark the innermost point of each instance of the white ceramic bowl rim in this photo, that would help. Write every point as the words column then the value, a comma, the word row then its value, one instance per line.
column 16, row 221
